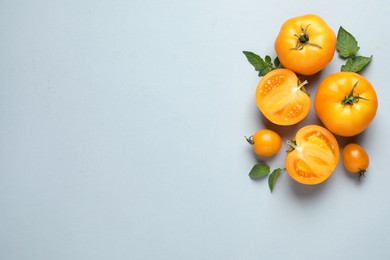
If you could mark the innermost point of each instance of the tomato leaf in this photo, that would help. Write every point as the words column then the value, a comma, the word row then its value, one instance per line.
column 259, row 170
column 276, row 62
column 268, row 60
column 273, row 177
column 262, row 66
column 346, row 44
column 356, row 64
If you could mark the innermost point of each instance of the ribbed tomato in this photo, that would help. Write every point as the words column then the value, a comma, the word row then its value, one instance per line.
column 346, row 103
column 305, row 44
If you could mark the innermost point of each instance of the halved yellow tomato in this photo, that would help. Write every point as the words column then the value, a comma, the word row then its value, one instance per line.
column 313, row 156
column 282, row 98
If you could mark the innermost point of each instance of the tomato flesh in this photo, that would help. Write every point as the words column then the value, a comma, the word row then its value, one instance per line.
column 314, row 156
column 281, row 99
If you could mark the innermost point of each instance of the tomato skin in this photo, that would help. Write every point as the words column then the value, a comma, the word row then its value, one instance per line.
column 312, row 57
column 280, row 99
column 355, row 158
column 266, row 142
column 314, row 156
column 345, row 119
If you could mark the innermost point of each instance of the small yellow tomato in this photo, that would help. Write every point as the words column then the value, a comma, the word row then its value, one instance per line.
column 355, row 158
column 265, row 142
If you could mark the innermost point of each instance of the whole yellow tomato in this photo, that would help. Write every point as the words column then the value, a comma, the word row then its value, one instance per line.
column 282, row 98
column 265, row 142
column 305, row 44
column 346, row 103
column 313, row 156
column 355, row 159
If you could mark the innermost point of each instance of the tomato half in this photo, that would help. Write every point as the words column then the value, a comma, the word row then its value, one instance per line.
column 346, row 103
column 281, row 98
column 313, row 156
column 305, row 44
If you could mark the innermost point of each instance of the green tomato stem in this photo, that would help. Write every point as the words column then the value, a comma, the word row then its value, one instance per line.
column 292, row 144
column 301, row 85
column 350, row 99
column 361, row 173
column 303, row 39
column 250, row 140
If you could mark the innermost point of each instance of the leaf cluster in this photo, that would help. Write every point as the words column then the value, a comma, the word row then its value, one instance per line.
column 263, row 66
column 261, row 169
column 347, row 47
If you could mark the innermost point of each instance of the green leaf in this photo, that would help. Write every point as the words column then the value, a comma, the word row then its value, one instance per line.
column 356, row 64
column 276, row 62
column 346, row 45
column 273, row 177
column 268, row 60
column 263, row 72
column 260, row 65
column 348, row 65
column 259, row 170
column 255, row 60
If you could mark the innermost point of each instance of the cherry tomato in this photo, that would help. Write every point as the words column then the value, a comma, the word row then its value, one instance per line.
column 346, row 103
column 282, row 98
column 355, row 158
column 305, row 44
column 313, row 156
column 265, row 142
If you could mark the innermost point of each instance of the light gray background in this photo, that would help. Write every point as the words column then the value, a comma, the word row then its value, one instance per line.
column 122, row 129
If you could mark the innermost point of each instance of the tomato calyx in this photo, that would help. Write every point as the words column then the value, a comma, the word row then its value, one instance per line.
column 303, row 39
column 361, row 173
column 250, row 140
column 350, row 99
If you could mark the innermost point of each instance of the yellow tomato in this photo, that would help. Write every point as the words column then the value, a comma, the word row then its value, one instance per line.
column 265, row 142
column 281, row 98
column 346, row 103
column 305, row 44
column 313, row 156
column 355, row 159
